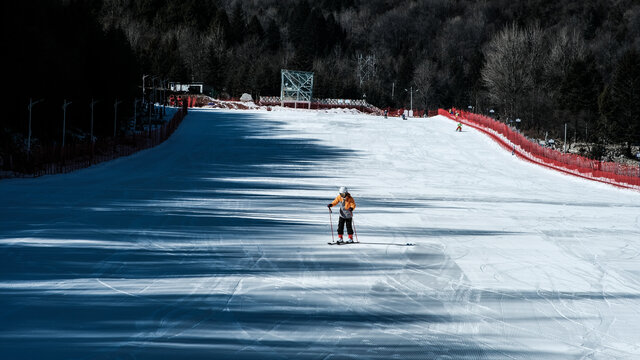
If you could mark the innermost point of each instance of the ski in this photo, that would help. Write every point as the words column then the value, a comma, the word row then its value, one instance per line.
column 357, row 242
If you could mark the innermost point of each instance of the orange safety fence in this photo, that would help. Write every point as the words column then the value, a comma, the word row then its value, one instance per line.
column 182, row 100
column 625, row 176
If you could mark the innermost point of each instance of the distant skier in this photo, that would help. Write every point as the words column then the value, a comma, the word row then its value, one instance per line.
column 459, row 128
column 347, row 205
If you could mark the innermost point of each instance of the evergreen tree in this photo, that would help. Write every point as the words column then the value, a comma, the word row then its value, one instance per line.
column 254, row 28
column 272, row 36
column 296, row 22
column 237, row 25
column 315, row 34
column 168, row 61
column 222, row 23
column 405, row 78
column 579, row 94
column 197, row 13
column 620, row 102
column 334, row 34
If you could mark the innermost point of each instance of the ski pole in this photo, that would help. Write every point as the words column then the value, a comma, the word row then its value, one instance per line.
column 331, row 223
column 353, row 223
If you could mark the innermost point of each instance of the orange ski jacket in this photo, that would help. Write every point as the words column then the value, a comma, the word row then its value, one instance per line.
column 346, row 203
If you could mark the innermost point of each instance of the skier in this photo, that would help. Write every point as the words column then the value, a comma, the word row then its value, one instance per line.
column 459, row 128
column 347, row 205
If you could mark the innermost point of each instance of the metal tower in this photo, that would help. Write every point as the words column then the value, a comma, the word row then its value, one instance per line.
column 366, row 67
column 296, row 86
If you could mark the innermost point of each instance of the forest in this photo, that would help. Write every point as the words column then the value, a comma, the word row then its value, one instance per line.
column 545, row 62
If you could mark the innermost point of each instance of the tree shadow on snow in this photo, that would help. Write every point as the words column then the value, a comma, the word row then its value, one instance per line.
column 76, row 264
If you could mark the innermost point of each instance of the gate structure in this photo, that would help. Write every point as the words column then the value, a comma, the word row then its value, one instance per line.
column 296, row 87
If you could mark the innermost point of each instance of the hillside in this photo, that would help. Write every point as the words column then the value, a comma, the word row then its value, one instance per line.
column 572, row 62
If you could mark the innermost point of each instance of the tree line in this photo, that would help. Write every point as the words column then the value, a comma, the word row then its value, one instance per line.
column 58, row 52
column 544, row 62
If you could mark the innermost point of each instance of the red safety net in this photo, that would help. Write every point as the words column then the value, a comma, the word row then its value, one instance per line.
column 627, row 176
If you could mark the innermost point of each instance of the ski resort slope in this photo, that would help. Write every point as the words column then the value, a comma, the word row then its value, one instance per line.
column 213, row 245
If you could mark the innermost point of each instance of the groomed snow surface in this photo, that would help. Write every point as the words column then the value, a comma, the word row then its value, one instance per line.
column 213, row 245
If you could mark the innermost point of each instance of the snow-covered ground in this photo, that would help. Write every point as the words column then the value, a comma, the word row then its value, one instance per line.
column 213, row 245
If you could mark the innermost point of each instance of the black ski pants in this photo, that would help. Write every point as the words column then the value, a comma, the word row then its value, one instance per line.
column 341, row 223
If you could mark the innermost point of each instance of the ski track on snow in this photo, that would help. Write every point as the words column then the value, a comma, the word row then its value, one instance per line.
column 214, row 242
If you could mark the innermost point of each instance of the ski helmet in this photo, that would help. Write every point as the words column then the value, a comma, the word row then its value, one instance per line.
column 343, row 190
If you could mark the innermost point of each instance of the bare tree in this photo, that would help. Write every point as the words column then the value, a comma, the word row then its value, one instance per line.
column 424, row 81
column 333, row 74
column 512, row 61
column 195, row 47
column 112, row 13
column 566, row 47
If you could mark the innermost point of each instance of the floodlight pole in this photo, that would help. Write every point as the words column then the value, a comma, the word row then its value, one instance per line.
column 64, row 119
column 143, row 90
column 311, row 93
column 565, row 137
column 586, row 132
column 282, row 88
column 164, row 97
column 411, row 96
column 31, row 104
column 115, row 116
column 135, row 114
column 93, row 102
column 152, row 105
column 411, row 100
column 153, row 94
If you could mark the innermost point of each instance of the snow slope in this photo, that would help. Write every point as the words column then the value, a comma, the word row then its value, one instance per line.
column 213, row 245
